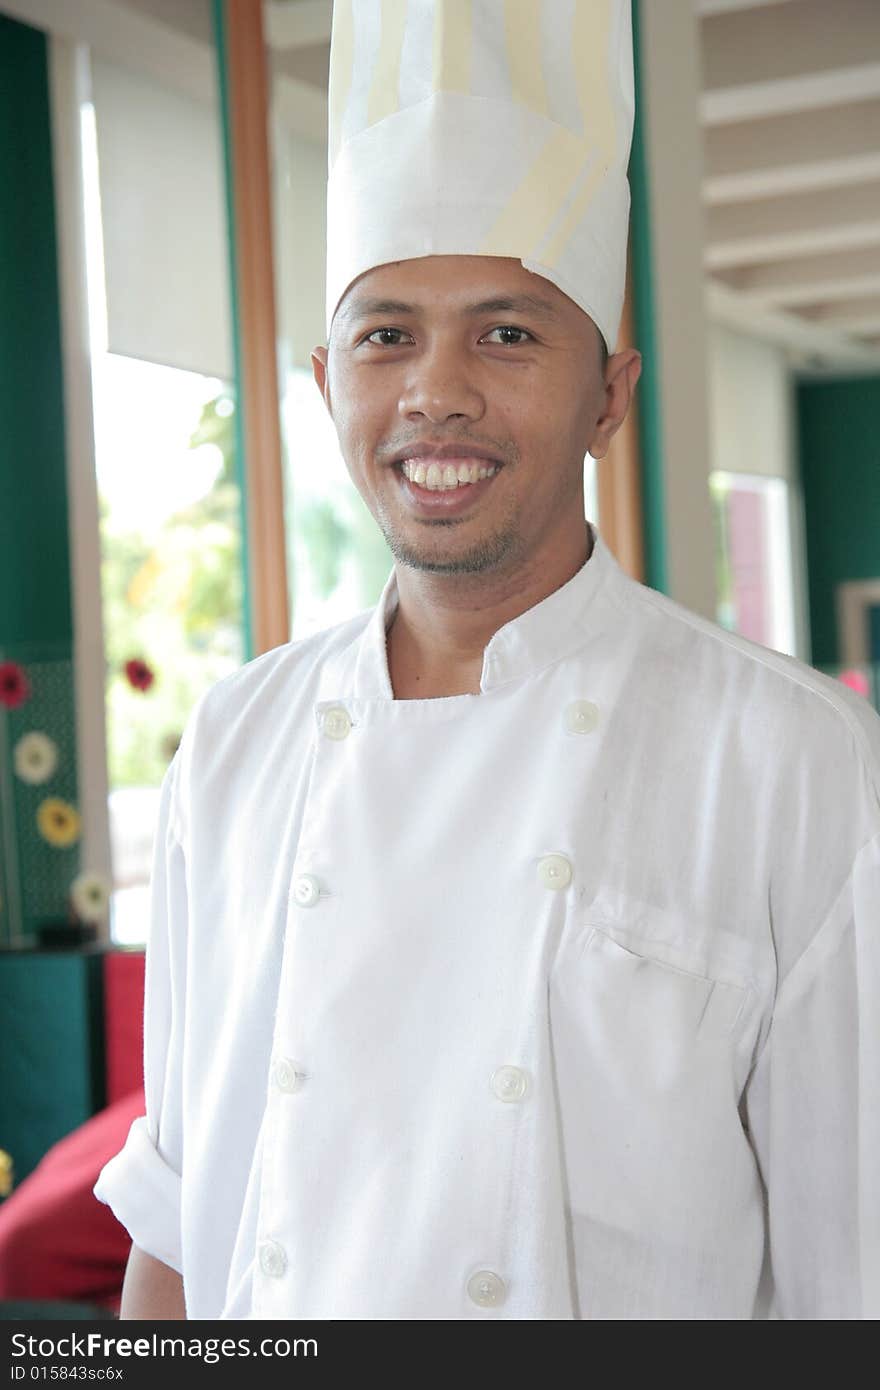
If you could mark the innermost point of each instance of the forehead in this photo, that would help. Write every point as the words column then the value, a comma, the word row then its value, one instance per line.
column 455, row 284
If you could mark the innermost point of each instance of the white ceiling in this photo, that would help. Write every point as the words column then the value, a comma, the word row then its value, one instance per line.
column 791, row 122
column 790, row 113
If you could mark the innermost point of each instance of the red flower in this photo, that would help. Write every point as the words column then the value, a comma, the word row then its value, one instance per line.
column 139, row 674
column 15, row 687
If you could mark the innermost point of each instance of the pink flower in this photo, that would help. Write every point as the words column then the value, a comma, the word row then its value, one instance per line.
column 15, row 687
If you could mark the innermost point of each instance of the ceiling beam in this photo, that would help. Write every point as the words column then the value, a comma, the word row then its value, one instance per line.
column 811, row 345
column 301, row 25
column 787, row 154
column 775, row 43
column 796, row 225
column 808, row 279
column 707, row 7
column 814, row 177
column 861, row 316
column 810, row 92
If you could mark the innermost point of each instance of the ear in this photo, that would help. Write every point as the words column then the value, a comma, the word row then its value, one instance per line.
column 321, row 374
column 622, row 372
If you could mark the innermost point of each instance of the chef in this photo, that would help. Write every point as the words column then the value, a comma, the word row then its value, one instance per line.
column 515, row 945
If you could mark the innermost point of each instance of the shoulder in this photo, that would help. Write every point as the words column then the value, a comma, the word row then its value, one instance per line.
column 783, row 707
column 288, row 661
column 268, row 690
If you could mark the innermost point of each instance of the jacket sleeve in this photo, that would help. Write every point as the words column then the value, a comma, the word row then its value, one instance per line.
column 813, row 1112
column 141, row 1184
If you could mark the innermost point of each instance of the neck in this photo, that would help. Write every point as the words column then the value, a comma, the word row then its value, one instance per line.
column 442, row 625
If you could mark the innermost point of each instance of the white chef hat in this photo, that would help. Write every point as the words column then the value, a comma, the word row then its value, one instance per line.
column 483, row 127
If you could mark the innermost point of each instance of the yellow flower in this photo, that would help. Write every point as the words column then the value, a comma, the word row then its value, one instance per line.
column 5, row 1173
column 58, row 822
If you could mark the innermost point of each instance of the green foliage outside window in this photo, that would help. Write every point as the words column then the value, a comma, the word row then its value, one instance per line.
column 174, row 599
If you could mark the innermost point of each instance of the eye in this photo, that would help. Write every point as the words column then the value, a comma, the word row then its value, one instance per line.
column 511, row 328
column 392, row 331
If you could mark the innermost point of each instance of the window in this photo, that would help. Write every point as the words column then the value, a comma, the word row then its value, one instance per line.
column 753, row 558
column 171, row 568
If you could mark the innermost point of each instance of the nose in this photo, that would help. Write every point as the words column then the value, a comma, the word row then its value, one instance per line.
column 441, row 386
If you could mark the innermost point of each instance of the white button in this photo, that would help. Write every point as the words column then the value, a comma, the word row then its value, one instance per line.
column 306, row 890
column 555, row 871
column 581, row 717
column 510, row 1083
column 287, row 1078
column 486, row 1288
column 273, row 1260
column 337, row 723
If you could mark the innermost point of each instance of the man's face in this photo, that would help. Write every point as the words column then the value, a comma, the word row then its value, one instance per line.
column 476, row 353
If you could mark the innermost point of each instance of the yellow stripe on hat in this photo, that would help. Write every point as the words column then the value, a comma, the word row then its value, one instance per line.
column 522, row 32
column 536, row 215
column 572, row 218
column 453, row 26
column 534, row 205
column 591, row 33
column 385, row 87
column 342, row 57
column 590, row 39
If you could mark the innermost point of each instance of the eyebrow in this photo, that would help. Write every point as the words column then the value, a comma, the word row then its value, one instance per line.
column 504, row 304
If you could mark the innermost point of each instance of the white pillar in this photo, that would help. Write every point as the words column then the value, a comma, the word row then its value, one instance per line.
column 671, row 84
column 69, row 87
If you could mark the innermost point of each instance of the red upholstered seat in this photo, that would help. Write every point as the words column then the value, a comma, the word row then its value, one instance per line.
column 124, row 1022
column 56, row 1239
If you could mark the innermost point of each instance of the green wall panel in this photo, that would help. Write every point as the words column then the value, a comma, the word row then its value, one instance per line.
column 648, row 389
column 839, row 450
column 34, row 558
column 218, row 15
column 53, row 1071
column 36, row 627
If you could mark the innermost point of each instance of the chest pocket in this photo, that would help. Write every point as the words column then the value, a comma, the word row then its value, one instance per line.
column 649, row 998
column 645, row 1025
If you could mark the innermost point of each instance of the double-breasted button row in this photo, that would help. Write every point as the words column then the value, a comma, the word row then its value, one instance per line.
column 581, row 717
column 554, row 871
column 485, row 1287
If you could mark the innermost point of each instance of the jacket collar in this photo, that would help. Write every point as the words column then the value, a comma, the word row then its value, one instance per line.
column 558, row 625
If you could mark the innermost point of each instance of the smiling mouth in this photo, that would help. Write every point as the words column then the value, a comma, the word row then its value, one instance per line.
column 446, row 475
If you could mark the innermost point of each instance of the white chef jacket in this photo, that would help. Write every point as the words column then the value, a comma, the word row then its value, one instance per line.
column 560, row 1000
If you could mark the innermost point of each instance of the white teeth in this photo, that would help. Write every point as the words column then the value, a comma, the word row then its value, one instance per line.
column 440, row 477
